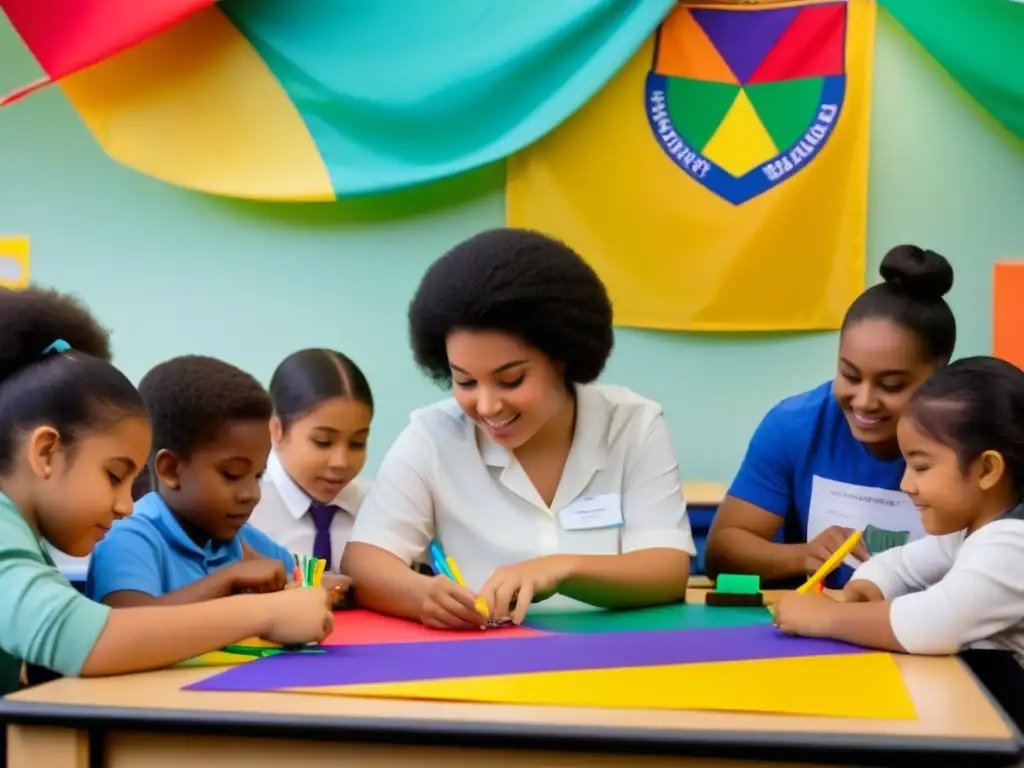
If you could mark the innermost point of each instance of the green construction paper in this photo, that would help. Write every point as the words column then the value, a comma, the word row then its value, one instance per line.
column 261, row 651
column 738, row 584
column 878, row 540
column 678, row 616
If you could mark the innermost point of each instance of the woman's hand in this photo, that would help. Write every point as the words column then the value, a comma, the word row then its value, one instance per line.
column 824, row 545
column 447, row 605
column 524, row 583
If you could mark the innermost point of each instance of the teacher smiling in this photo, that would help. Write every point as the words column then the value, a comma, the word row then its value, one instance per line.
column 826, row 462
column 543, row 486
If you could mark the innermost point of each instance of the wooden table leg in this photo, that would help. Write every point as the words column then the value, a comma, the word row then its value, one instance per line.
column 34, row 747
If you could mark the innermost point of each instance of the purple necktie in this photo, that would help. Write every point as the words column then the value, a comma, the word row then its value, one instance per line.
column 322, row 515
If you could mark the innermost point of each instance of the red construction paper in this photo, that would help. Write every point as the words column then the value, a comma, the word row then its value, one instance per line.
column 360, row 627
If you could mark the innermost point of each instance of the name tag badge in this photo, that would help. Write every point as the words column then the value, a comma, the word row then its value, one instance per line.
column 592, row 512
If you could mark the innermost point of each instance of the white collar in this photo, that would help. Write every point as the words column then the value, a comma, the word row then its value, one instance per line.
column 297, row 501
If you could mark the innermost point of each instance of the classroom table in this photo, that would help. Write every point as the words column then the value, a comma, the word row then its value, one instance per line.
column 701, row 493
column 146, row 720
column 702, row 501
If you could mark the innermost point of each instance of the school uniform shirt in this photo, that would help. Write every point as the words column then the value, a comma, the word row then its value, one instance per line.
column 43, row 619
column 956, row 591
column 443, row 477
column 804, row 465
column 283, row 513
column 150, row 552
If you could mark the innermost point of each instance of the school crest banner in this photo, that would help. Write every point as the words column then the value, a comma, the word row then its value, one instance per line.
column 719, row 182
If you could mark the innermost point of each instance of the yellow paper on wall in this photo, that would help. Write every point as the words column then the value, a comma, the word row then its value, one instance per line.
column 867, row 685
column 14, row 261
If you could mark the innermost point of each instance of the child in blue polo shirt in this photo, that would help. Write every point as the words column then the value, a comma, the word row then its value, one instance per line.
column 189, row 539
column 74, row 434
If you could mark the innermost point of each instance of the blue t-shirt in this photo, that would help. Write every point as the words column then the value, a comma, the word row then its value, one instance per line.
column 803, row 436
column 150, row 552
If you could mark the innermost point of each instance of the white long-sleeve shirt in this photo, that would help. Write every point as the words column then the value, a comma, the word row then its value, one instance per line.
column 956, row 591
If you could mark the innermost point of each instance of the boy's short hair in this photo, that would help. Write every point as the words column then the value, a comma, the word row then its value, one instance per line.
column 192, row 398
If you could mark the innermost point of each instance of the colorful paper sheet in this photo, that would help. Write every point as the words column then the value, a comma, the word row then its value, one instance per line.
column 216, row 659
column 365, row 628
column 225, row 659
column 678, row 616
column 424, row 661
column 867, row 685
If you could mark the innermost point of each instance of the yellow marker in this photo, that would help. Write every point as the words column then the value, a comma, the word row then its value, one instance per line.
column 318, row 572
column 481, row 604
column 831, row 564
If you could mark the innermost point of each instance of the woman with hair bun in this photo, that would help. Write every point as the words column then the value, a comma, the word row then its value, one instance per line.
column 826, row 462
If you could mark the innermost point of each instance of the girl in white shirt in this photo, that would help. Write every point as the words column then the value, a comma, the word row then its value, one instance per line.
column 538, row 483
column 323, row 408
column 962, row 586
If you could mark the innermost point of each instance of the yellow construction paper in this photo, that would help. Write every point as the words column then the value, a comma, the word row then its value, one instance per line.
column 216, row 659
column 197, row 107
column 867, row 685
column 14, row 261
column 225, row 659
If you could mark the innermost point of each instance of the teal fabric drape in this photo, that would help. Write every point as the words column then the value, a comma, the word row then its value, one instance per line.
column 401, row 92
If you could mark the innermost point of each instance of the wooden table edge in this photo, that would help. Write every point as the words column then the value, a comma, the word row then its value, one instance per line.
column 856, row 747
column 830, row 748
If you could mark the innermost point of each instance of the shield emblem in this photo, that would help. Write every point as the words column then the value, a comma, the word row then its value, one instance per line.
column 742, row 100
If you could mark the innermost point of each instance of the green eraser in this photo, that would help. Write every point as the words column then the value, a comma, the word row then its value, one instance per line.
column 737, row 584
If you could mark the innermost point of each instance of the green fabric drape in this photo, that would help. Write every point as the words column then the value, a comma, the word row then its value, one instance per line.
column 979, row 42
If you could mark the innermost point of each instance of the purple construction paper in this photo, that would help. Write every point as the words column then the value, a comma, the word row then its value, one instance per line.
column 744, row 38
column 401, row 662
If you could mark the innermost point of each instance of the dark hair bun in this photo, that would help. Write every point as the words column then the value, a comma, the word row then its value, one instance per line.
column 919, row 273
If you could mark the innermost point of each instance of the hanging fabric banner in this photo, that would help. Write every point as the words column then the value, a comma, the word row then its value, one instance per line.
column 305, row 100
column 67, row 36
column 719, row 182
column 980, row 43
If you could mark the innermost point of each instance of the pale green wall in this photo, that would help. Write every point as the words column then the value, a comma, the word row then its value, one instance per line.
column 173, row 272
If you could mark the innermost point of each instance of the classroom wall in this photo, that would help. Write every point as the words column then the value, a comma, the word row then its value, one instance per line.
column 174, row 272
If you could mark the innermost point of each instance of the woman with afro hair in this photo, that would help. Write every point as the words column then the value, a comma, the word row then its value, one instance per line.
column 541, row 485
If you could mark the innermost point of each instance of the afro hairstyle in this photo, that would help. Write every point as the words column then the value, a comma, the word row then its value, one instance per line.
column 191, row 399
column 519, row 282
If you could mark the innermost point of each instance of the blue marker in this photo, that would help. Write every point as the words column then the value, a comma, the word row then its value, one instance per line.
column 440, row 564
